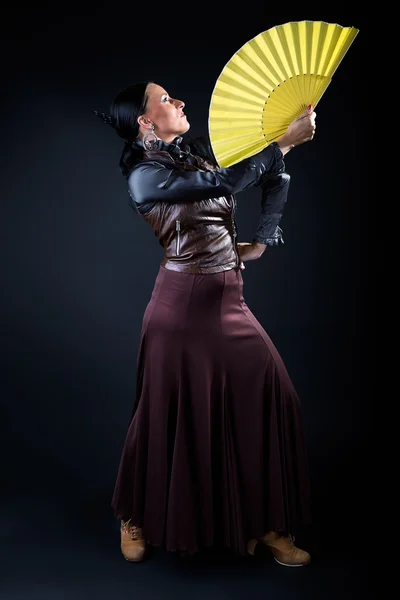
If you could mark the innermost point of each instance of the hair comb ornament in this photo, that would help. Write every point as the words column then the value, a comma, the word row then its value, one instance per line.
column 106, row 118
column 269, row 82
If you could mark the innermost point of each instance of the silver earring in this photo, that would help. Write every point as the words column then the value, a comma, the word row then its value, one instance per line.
column 150, row 139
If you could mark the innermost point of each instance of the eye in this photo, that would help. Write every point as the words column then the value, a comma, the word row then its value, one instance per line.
column 164, row 98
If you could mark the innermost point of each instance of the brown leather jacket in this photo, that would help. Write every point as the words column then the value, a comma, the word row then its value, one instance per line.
column 190, row 203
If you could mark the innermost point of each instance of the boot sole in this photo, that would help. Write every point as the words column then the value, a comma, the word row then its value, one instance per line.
column 287, row 565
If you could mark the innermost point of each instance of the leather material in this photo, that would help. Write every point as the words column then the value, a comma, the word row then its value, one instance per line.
column 282, row 549
column 197, row 237
column 133, row 550
column 190, row 203
column 274, row 195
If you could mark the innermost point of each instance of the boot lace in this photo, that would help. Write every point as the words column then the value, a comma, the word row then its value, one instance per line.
column 134, row 532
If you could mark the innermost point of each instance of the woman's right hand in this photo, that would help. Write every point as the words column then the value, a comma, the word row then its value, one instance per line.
column 301, row 130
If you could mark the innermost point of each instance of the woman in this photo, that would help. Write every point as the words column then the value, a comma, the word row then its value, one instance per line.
column 215, row 451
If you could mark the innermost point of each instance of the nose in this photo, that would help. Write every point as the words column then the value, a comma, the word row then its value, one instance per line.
column 179, row 103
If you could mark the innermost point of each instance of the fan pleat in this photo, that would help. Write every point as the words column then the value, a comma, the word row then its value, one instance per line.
column 269, row 82
column 252, row 77
column 233, row 85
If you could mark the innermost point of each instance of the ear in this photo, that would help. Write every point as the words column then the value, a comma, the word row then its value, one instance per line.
column 143, row 121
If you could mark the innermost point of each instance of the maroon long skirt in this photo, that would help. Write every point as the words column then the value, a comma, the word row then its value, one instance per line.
column 215, row 451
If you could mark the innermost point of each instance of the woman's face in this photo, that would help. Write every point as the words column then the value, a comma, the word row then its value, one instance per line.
column 165, row 113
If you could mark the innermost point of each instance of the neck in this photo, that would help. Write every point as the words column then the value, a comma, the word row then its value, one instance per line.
column 168, row 138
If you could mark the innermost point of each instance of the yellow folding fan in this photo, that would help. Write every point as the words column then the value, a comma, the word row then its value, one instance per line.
column 269, row 82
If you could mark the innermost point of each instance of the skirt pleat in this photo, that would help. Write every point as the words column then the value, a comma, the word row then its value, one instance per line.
column 215, row 451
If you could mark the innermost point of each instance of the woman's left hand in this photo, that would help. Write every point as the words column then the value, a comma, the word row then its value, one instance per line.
column 250, row 251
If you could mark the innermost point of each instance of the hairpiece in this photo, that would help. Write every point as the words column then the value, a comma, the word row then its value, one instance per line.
column 106, row 118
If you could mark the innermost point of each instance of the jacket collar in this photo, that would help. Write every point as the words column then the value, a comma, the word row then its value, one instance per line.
column 173, row 148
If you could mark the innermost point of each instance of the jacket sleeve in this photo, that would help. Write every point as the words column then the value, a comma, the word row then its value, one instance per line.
column 157, row 182
column 273, row 199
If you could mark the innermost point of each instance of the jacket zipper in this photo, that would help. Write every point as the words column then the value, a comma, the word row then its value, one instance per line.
column 178, row 237
column 234, row 233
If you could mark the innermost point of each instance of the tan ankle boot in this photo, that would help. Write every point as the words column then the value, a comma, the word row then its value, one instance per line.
column 282, row 548
column 133, row 544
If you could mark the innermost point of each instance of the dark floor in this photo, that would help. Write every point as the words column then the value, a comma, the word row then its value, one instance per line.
column 58, row 549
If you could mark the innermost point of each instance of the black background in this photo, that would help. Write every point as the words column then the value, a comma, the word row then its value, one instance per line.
column 78, row 266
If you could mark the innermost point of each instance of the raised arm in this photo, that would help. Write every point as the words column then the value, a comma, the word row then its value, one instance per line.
column 152, row 181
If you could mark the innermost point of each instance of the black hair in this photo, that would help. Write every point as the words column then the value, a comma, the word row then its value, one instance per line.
column 125, row 109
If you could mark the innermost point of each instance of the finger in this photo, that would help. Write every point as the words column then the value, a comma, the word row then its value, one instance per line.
column 308, row 112
column 309, row 116
column 303, row 115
